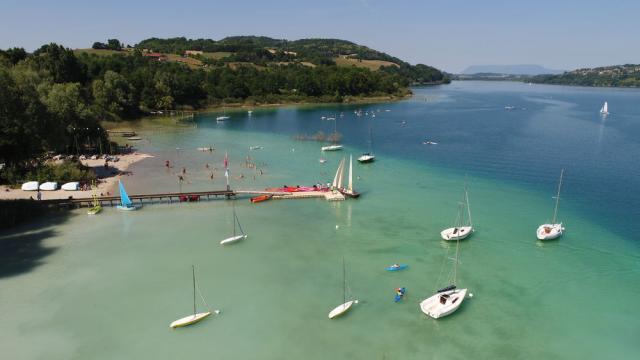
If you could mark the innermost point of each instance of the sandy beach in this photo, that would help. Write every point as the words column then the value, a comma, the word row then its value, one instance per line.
column 107, row 180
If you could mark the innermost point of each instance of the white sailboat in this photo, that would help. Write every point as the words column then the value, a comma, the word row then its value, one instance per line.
column 446, row 300
column 235, row 237
column 346, row 305
column 222, row 117
column 336, row 185
column 368, row 156
column 349, row 190
column 196, row 316
column 334, row 146
column 553, row 230
column 605, row 109
column 461, row 229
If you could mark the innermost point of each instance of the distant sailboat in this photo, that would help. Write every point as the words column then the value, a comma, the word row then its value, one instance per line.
column 553, row 230
column 368, row 156
column 446, row 300
column 192, row 319
column 222, row 117
column 334, row 146
column 605, row 109
column 125, row 202
column 462, row 229
column 235, row 236
column 346, row 305
column 349, row 190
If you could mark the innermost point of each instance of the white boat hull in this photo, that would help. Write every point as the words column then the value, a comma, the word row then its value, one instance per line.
column 366, row 158
column 49, row 186
column 127, row 208
column 549, row 231
column 233, row 239
column 456, row 233
column 71, row 186
column 341, row 309
column 188, row 320
column 331, row 148
column 30, row 186
column 443, row 303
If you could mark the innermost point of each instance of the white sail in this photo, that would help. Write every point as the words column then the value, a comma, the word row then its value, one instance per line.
column 605, row 108
column 341, row 176
column 334, row 184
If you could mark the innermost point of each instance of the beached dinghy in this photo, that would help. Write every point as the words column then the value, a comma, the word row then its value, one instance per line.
column 125, row 202
column 235, row 237
column 462, row 229
column 71, row 186
column 346, row 305
column 30, row 186
column 196, row 317
column 553, row 230
column 447, row 300
column 49, row 186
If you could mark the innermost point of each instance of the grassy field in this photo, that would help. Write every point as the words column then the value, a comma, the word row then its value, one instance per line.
column 216, row 55
column 369, row 64
column 191, row 62
column 99, row 52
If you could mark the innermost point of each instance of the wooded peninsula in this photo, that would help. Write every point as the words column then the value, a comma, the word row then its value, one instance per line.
column 54, row 98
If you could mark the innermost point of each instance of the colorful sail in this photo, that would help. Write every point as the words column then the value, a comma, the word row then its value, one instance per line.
column 124, row 198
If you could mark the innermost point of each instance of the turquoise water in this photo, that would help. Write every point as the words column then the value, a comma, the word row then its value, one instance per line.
column 108, row 286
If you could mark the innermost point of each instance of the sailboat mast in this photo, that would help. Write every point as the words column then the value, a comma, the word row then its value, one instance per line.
column 455, row 266
column 193, row 271
column 370, row 140
column 555, row 210
column 350, row 173
column 235, row 218
column 341, row 174
column 344, row 282
column 466, row 200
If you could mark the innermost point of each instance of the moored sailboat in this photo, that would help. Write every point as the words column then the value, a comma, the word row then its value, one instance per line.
column 552, row 230
column 346, row 305
column 196, row 317
column 235, row 237
column 349, row 192
column 96, row 208
column 446, row 300
column 334, row 146
column 462, row 229
column 368, row 156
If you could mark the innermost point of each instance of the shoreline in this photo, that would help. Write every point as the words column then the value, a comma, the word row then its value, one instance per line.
column 106, row 183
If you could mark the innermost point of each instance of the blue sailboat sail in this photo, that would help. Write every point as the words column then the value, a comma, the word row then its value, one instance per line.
column 124, row 198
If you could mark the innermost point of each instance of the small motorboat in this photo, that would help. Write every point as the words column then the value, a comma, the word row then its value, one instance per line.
column 261, row 198
column 222, row 118
column 322, row 161
column 366, row 158
column 331, row 147
column 396, row 267
column 429, row 142
column 255, row 147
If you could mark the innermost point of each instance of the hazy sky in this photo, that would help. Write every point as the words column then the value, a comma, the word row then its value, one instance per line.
column 451, row 35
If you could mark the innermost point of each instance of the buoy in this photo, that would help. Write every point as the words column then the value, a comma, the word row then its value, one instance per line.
column 470, row 295
column 217, row 312
column 337, row 226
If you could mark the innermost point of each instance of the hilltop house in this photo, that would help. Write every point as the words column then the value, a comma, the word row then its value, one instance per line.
column 193, row 52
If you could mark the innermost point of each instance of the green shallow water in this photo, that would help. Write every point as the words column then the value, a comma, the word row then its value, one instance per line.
column 111, row 284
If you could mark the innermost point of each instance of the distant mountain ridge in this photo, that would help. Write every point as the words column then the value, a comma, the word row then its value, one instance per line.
column 524, row 69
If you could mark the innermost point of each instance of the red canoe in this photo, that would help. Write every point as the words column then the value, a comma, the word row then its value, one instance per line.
column 261, row 198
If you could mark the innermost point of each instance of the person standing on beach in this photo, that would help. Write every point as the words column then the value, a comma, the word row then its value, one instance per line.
column 39, row 195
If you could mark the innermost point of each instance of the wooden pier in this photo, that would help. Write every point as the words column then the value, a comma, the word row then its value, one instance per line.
column 145, row 198
column 169, row 198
